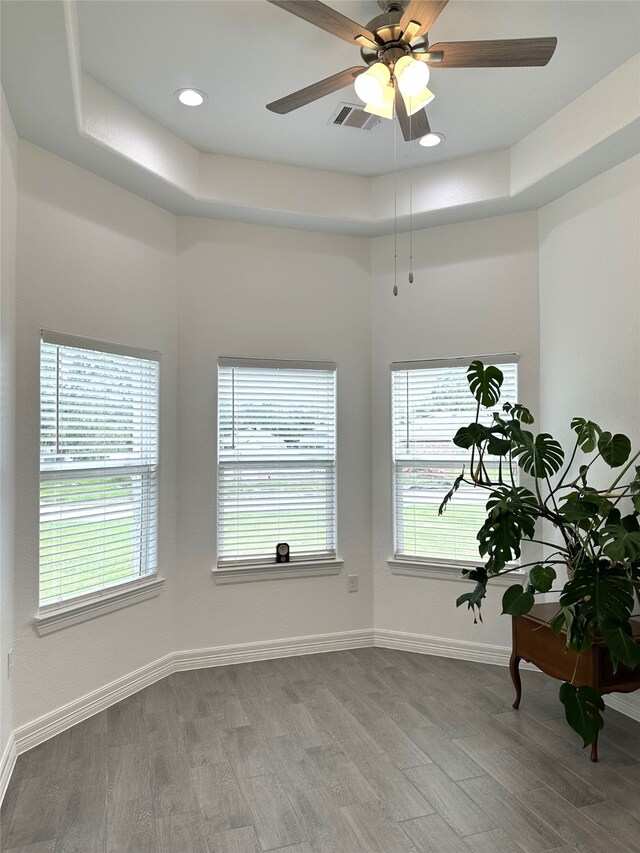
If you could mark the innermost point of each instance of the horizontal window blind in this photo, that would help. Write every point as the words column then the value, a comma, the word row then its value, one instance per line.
column 429, row 405
column 276, row 461
column 98, row 469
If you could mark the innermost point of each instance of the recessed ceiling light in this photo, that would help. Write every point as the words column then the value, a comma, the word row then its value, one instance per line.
column 432, row 139
column 190, row 97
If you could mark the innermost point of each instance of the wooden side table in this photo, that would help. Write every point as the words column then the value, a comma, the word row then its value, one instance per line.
column 535, row 642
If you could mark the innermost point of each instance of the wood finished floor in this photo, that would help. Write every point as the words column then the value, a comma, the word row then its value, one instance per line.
column 367, row 750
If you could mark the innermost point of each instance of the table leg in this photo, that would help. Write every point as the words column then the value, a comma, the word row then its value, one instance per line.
column 514, row 669
column 594, row 749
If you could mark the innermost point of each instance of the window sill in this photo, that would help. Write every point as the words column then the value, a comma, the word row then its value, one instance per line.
column 274, row 571
column 71, row 614
column 441, row 570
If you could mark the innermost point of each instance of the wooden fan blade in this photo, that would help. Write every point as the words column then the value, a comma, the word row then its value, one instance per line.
column 413, row 127
column 315, row 91
column 494, row 53
column 423, row 12
column 328, row 19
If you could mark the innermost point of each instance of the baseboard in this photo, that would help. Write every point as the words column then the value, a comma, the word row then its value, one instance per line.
column 7, row 763
column 55, row 722
column 246, row 652
column 627, row 705
column 482, row 653
column 442, row 647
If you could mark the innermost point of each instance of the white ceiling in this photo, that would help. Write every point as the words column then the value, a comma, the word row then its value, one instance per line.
column 94, row 82
column 245, row 53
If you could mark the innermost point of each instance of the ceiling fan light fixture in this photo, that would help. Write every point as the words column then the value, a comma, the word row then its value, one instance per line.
column 370, row 86
column 191, row 97
column 384, row 109
column 411, row 74
column 415, row 103
column 430, row 140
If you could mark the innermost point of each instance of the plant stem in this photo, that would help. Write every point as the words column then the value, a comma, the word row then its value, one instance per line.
column 624, row 470
column 569, row 464
column 575, row 669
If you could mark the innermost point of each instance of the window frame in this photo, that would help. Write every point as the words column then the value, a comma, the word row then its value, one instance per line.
column 440, row 566
column 67, row 611
column 229, row 570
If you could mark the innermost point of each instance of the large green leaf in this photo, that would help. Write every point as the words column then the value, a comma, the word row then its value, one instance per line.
column 634, row 490
column 615, row 449
column 508, row 520
column 558, row 622
column 473, row 600
column 519, row 412
column 619, row 543
column 582, row 708
column 585, row 505
column 498, row 446
column 468, row 436
column 540, row 456
column 621, row 645
column 541, row 577
column 517, row 601
column 518, row 500
column 588, row 433
column 601, row 592
column 485, row 383
column 451, row 492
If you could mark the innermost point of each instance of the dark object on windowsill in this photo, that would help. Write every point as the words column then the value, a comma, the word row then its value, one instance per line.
column 282, row 552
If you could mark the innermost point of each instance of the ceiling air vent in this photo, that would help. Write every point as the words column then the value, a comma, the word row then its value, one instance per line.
column 350, row 115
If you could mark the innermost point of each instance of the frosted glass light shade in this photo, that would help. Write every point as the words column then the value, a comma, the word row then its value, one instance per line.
column 370, row 86
column 385, row 108
column 417, row 102
column 411, row 74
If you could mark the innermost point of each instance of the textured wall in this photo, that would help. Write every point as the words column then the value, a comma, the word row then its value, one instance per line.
column 8, row 162
column 96, row 261
column 475, row 292
column 263, row 292
column 590, row 308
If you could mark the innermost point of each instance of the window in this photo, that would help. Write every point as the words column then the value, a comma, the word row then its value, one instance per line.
column 276, row 460
column 430, row 401
column 98, row 467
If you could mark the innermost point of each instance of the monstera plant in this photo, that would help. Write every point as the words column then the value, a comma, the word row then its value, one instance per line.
column 595, row 531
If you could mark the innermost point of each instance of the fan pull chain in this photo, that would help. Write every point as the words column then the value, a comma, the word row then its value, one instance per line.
column 410, row 201
column 395, row 212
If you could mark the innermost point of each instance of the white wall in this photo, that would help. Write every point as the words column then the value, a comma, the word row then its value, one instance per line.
column 590, row 308
column 97, row 261
column 8, row 162
column 256, row 291
column 590, row 304
column 475, row 292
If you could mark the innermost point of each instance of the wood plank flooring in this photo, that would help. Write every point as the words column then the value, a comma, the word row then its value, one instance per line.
column 363, row 751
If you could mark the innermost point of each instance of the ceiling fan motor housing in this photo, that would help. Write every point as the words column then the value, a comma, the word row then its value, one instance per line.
column 387, row 29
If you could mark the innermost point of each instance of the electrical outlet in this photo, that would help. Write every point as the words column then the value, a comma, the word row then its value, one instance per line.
column 9, row 662
column 352, row 583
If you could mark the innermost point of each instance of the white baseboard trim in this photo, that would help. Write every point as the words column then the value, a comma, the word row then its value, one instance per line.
column 442, row 647
column 627, row 705
column 246, row 652
column 7, row 763
column 57, row 721
column 483, row 653
column 51, row 724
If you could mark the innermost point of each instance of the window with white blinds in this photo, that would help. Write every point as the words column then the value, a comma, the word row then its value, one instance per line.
column 98, row 467
column 276, row 460
column 430, row 402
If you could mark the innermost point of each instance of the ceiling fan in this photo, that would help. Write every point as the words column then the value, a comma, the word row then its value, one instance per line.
column 395, row 48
